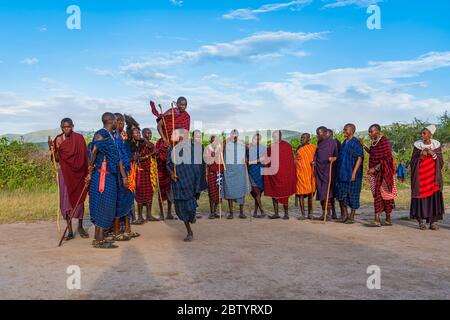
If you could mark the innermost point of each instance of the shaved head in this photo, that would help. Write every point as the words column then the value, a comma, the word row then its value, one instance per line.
column 351, row 127
column 108, row 116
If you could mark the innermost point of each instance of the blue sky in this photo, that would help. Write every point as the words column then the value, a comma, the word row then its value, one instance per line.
column 242, row 64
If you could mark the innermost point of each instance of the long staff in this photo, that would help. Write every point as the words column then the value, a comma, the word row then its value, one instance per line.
column 173, row 143
column 73, row 212
column 328, row 193
column 58, row 209
column 161, row 207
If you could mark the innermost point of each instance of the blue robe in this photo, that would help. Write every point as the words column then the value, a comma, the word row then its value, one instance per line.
column 125, row 198
column 235, row 177
column 349, row 191
column 102, row 206
column 187, row 187
column 254, row 170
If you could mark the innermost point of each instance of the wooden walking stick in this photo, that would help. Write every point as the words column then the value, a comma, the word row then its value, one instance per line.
column 58, row 209
column 173, row 143
column 161, row 207
column 220, row 193
column 328, row 193
column 85, row 188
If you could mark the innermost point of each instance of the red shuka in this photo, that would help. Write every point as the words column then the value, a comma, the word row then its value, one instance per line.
column 281, row 184
column 72, row 156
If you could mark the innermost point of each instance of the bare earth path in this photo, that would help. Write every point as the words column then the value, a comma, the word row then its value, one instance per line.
column 258, row 259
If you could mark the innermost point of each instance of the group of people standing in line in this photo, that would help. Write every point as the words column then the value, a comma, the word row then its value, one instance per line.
column 122, row 165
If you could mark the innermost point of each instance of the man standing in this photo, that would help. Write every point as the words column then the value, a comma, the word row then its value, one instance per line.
column 306, row 182
column 279, row 174
column 349, row 180
column 326, row 155
column 335, row 174
column 72, row 155
column 381, row 174
column 255, row 152
column 197, row 151
column 213, row 157
column 185, row 180
column 235, row 181
column 106, row 172
column 125, row 197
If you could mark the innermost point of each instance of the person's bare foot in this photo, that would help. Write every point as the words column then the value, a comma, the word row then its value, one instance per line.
column 275, row 216
column 242, row 216
column 230, row 216
column 286, row 217
column 170, row 217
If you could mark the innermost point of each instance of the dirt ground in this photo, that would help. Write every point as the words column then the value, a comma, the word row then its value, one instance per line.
column 251, row 259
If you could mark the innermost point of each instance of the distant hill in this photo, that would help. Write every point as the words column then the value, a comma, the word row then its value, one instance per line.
column 40, row 137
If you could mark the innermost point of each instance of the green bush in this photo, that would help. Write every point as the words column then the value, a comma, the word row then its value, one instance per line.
column 25, row 166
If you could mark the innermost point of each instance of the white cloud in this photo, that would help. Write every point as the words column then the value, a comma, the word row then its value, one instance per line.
column 29, row 61
column 100, row 72
column 251, row 14
column 346, row 3
column 42, row 28
column 252, row 48
column 178, row 3
column 362, row 95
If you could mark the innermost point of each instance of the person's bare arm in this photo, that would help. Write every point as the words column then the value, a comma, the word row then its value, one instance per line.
column 123, row 174
column 356, row 168
column 91, row 165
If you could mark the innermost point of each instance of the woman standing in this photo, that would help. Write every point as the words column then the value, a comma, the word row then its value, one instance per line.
column 381, row 175
column 427, row 201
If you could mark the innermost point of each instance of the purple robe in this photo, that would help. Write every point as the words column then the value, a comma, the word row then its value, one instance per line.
column 325, row 149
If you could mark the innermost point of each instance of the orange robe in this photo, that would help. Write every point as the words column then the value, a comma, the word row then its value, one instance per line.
column 306, row 182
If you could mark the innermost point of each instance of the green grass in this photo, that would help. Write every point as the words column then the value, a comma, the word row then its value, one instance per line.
column 34, row 206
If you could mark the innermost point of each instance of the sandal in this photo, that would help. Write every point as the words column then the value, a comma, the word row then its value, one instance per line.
column 434, row 227
column 275, row 216
column 189, row 238
column 422, row 226
column 132, row 234
column 69, row 237
column 121, row 237
column 103, row 245
column 83, row 233
column 375, row 224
